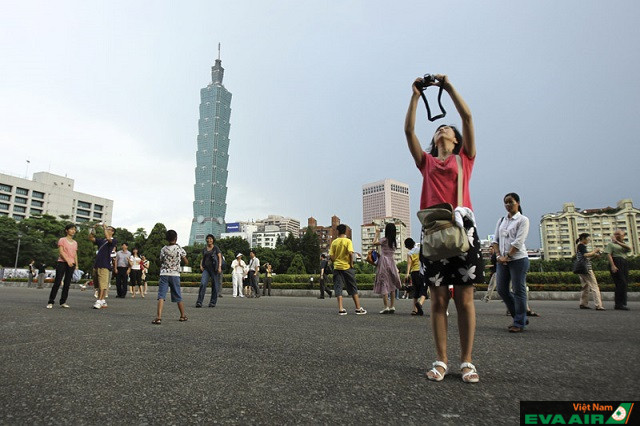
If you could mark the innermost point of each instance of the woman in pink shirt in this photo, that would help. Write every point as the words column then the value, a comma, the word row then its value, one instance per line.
column 67, row 261
column 439, row 170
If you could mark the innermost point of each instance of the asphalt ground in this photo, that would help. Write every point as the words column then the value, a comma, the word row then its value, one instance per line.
column 293, row 360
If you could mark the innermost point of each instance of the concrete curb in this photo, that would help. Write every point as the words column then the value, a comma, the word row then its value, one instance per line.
column 533, row 295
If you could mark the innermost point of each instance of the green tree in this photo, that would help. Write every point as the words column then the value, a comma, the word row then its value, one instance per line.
column 310, row 248
column 124, row 236
column 297, row 265
column 236, row 245
column 194, row 255
column 153, row 245
column 8, row 241
column 139, row 239
column 39, row 240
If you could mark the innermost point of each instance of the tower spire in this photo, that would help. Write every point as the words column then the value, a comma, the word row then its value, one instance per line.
column 217, row 72
column 218, row 51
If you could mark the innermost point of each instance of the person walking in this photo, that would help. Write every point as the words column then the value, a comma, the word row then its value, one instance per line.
column 439, row 170
column 237, row 272
column 341, row 254
column 122, row 263
column 67, row 261
column 588, row 280
column 413, row 274
column 617, row 252
column 211, row 268
column 387, row 280
column 512, row 260
column 324, row 274
column 135, row 276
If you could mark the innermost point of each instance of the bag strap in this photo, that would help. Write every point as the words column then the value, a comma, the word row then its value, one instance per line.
column 460, row 178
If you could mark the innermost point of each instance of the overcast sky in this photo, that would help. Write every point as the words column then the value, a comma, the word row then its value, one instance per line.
column 107, row 93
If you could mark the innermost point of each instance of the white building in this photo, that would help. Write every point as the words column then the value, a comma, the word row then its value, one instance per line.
column 50, row 194
column 269, row 237
column 244, row 230
column 368, row 234
column 386, row 198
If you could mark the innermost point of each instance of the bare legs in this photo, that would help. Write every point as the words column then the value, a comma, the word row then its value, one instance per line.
column 356, row 300
column 463, row 299
column 385, row 299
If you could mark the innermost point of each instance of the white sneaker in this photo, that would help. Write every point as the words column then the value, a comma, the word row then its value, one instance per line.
column 97, row 305
column 361, row 311
column 50, row 306
column 104, row 304
column 385, row 311
column 64, row 305
column 241, row 295
column 235, row 295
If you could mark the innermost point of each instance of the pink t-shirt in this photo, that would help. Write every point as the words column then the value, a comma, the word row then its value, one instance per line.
column 70, row 247
column 440, row 180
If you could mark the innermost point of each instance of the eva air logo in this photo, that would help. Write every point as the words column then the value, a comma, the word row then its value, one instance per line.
column 621, row 415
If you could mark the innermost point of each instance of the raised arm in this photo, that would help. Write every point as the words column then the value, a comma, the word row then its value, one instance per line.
column 410, row 124
column 468, row 133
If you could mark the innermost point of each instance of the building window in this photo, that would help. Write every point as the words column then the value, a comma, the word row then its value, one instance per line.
column 18, row 217
column 82, row 219
column 19, row 209
column 4, row 206
column 5, row 188
column 97, row 215
column 36, row 203
column 21, row 200
column 5, row 197
column 35, row 211
column 22, row 191
column 97, row 207
column 84, row 204
column 36, row 194
column 83, row 212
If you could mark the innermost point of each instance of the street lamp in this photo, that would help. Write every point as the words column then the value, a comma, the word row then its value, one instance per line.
column 15, row 266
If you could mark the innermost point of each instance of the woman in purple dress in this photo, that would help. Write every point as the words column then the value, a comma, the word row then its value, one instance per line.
column 387, row 277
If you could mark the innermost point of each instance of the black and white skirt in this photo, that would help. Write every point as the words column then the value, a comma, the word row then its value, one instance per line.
column 466, row 269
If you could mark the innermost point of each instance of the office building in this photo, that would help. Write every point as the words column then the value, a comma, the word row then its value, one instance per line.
column 560, row 230
column 386, row 198
column 212, row 158
column 53, row 195
column 368, row 234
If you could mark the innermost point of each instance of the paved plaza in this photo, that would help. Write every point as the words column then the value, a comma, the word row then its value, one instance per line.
column 293, row 360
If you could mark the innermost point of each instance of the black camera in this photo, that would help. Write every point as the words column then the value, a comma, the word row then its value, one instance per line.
column 427, row 81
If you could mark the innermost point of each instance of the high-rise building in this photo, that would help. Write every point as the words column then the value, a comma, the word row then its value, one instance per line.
column 50, row 194
column 212, row 158
column 559, row 231
column 386, row 198
column 368, row 234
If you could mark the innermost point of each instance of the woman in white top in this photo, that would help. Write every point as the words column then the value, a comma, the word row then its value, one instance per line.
column 512, row 260
column 135, row 276
column 237, row 270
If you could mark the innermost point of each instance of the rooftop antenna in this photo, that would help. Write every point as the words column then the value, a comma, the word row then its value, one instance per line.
column 218, row 51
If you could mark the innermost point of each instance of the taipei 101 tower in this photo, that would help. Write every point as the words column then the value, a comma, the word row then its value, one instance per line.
column 212, row 158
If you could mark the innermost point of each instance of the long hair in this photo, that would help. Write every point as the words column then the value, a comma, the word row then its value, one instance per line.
column 515, row 197
column 433, row 149
column 390, row 235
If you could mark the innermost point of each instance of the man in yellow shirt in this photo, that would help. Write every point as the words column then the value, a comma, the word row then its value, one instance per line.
column 341, row 253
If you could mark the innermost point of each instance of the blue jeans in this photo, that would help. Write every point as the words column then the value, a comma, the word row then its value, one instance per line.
column 215, row 287
column 516, row 300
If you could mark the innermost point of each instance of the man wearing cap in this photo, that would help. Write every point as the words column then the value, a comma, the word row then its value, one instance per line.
column 237, row 272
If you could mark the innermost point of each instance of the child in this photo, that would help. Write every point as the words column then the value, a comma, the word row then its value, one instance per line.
column 413, row 271
column 170, row 256
column 341, row 254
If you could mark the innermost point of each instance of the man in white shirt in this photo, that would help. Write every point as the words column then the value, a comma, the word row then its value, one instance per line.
column 254, row 271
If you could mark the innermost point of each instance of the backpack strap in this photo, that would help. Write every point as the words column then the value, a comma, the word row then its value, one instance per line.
column 460, row 179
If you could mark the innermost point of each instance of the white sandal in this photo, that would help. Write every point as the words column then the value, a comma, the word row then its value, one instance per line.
column 466, row 377
column 438, row 376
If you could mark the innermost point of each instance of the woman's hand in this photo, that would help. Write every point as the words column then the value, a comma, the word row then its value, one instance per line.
column 414, row 87
column 201, row 268
column 442, row 80
column 614, row 269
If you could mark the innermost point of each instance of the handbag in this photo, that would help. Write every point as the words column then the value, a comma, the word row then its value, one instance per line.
column 442, row 238
column 580, row 265
column 372, row 257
